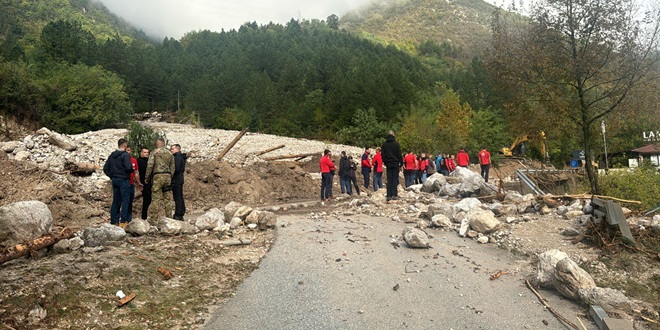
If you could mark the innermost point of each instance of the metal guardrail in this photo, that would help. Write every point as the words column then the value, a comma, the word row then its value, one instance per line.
column 527, row 181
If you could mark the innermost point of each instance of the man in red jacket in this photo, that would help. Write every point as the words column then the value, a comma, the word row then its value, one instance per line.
column 484, row 161
column 365, row 163
column 327, row 170
column 410, row 164
column 450, row 164
column 462, row 158
column 377, row 164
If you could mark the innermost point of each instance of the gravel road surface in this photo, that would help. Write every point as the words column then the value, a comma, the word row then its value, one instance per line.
column 340, row 272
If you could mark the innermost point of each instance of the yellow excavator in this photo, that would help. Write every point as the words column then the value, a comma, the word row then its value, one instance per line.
column 519, row 146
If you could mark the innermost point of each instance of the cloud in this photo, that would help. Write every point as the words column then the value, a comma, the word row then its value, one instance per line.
column 173, row 18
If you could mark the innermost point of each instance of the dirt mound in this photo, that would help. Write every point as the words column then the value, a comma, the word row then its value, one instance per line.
column 211, row 183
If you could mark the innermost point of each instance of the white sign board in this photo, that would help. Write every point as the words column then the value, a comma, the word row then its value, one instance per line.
column 651, row 136
column 633, row 162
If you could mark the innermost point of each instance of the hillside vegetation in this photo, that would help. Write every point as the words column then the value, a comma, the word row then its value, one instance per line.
column 463, row 24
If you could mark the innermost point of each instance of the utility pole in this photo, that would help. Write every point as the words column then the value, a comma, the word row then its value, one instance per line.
column 602, row 126
column 178, row 100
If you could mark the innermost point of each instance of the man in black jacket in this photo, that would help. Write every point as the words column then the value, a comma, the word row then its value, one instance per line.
column 146, row 188
column 344, row 174
column 118, row 168
column 393, row 160
column 177, row 181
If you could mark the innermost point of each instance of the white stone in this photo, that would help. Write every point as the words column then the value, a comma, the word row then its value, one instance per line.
column 252, row 226
column 415, row 238
column 440, row 220
column 211, row 219
column 103, row 235
column 483, row 221
column 22, row 155
column 231, row 208
column 482, row 239
column 466, row 204
column 465, row 226
column 434, row 183
column 138, row 227
column 546, row 267
column 169, row 226
column 76, row 243
column 242, row 212
column 235, row 223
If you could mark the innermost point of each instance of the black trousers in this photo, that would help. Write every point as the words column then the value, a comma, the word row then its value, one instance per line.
column 484, row 171
column 146, row 200
column 179, row 204
column 392, row 181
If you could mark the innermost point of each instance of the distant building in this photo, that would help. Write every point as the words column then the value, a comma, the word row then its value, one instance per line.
column 649, row 153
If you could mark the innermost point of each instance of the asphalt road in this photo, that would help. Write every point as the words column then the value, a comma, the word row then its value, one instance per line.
column 340, row 273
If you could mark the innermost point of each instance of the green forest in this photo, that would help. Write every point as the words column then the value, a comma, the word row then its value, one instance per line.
column 73, row 66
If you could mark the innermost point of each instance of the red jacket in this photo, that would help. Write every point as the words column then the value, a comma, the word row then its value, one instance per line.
column 423, row 164
column 462, row 158
column 450, row 164
column 326, row 164
column 484, row 157
column 366, row 163
column 378, row 162
column 410, row 161
column 134, row 166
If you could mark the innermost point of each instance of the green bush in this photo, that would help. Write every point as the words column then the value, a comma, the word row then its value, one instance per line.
column 141, row 136
column 641, row 184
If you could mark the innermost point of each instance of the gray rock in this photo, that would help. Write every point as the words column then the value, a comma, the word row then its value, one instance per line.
column 441, row 208
column 211, row 219
column 242, row 212
column 62, row 246
column 561, row 210
column 574, row 214
column 545, row 210
column 450, row 189
column 76, row 243
column 434, row 183
column 512, row 220
column 440, row 220
column 231, row 208
column 24, row 221
column 482, row 239
column 610, row 300
column 169, row 226
column 9, row 147
column 545, row 271
column 513, row 196
column 588, row 208
column 465, row 226
column 569, row 278
column 576, row 205
column 28, row 142
column 571, row 232
column 235, row 223
column 415, row 187
column 483, row 221
column 466, row 204
column 263, row 219
column 138, row 227
column 415, row 238
column 189, row 228
column 61, row 141
column 101, row 236
column 422, row 224
column 472, row 182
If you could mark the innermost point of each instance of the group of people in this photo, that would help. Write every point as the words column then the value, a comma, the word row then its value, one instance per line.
column 416, row 168
column 157, row 174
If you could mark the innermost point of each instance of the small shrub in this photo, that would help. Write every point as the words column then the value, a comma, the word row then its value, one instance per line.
column 641, row 184
column 141, row 136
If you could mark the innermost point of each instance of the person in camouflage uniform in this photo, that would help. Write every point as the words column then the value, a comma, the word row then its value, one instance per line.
column 160, row 168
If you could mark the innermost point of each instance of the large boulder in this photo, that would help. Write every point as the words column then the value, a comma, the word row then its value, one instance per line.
column 9, row 147
column 569, row 278
column 483, row 221
column 168, row 226
column 440, row 220
column 138, row 227
column 434, row 183
column 103, row 235
column 610, row 300
column 24, row 221
column 440, row 208
column 211, row 219
column 546, row 267
column 466, row 204
column 471, row 184
column 415, row 238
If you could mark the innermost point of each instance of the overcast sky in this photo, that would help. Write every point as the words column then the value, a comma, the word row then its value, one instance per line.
column 173, row 18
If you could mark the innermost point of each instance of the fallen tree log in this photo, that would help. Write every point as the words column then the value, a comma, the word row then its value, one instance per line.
column 588, row 196
column 231, row 144
column 292, row 156
column 270, row 149
column 31, row 248
column 81, row 168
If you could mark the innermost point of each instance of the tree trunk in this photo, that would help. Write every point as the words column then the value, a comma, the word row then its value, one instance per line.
column 29, row 248
column 588, row 158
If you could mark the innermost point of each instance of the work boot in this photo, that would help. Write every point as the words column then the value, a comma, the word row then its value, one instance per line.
column 123, row 224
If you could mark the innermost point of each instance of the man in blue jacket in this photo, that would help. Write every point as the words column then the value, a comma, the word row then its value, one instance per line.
column 118, row 168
